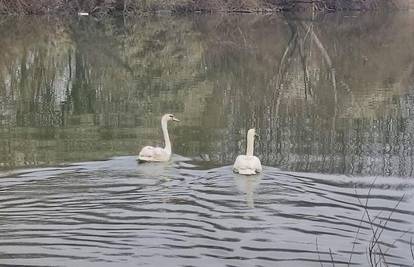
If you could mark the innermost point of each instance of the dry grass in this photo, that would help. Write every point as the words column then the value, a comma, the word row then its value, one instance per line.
column 377, row 249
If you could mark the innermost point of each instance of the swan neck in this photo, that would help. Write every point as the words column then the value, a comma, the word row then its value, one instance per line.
column 250, row 145
column 166, row 136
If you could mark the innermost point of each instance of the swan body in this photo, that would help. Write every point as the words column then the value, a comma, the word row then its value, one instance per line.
column 159, row 154
column 248, row 164
column 150, row 153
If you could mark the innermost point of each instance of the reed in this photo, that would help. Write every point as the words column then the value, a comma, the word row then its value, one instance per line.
column 376, row 254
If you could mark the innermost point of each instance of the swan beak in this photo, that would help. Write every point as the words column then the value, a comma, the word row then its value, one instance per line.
column 175, row 119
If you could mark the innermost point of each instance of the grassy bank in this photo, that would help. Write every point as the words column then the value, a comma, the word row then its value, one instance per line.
column 100, row 7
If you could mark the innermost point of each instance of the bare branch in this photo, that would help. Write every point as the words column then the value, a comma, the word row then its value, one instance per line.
column 355, row 239
column 411, row 248
column 317, row 250
column 371, row 224
column 332, row 260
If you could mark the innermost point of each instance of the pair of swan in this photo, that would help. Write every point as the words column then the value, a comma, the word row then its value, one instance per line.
column 244, row 164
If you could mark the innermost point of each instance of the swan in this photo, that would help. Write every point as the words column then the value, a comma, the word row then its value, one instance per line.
column 158, row 154
column 248, row 164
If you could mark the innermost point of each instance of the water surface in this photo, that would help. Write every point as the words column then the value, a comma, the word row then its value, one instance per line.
column 330, row 97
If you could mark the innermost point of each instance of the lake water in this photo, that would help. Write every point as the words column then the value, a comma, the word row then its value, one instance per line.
column 332, row 99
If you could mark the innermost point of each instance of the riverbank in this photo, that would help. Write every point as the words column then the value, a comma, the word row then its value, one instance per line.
column 104, row 7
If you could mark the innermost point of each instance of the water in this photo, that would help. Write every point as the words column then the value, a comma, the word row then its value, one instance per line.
column 331, row 99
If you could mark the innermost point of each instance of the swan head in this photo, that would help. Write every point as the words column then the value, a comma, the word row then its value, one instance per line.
column 170, row 117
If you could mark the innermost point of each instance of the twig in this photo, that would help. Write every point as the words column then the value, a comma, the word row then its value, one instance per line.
column 317, row 250
column 389, row 216
column 376, row 237
column 411, row 248
column 355, row 239
column 330, row 253
column 395, row 241
column 371, row 223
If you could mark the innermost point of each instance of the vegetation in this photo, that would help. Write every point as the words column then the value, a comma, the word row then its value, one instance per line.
column 378, row 249
column 100, row 7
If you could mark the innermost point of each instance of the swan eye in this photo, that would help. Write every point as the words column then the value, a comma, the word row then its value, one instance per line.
column 171, row 116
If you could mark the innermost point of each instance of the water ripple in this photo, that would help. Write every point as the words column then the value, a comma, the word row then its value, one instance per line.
column 113, row 212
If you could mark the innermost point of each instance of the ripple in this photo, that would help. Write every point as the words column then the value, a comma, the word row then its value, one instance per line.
column 100, row 212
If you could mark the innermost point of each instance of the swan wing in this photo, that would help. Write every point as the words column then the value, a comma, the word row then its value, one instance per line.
column 147, row 151
column 242, row 165
column 255, row 163
column 247, row 165
column 239, row 163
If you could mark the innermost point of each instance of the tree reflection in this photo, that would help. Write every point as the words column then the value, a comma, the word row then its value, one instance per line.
column 322, row 99
column 315, row 112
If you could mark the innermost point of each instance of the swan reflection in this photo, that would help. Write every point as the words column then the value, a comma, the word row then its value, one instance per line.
column 248, row 185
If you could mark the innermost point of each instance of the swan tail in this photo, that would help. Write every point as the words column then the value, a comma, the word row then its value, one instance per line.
column 246, row 172
column 142, row 159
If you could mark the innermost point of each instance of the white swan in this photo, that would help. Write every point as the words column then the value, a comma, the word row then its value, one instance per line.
column 248, row 164
column 158, row 154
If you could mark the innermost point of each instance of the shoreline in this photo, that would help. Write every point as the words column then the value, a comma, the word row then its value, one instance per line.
column 134, row 7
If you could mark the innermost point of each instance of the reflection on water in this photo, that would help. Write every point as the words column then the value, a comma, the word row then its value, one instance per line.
column 247, row 186
column 331, row 99
column 330, row 96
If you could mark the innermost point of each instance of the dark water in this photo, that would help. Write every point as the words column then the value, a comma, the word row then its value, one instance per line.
column 331, row 98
